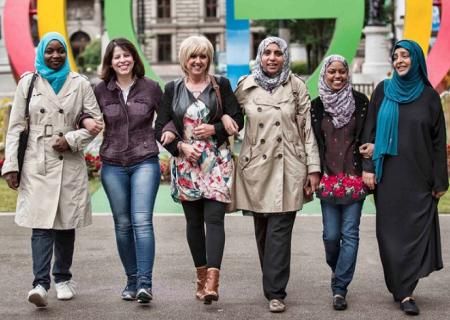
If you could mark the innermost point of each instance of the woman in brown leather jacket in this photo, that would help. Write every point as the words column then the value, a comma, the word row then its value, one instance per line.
column 130, row 173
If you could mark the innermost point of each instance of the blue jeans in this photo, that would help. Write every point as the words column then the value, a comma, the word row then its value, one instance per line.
column 43, row 243
column 341, row 240
column 131, row 192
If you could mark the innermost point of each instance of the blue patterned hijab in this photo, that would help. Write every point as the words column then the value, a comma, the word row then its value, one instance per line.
column 399, row 89
column 56, row 78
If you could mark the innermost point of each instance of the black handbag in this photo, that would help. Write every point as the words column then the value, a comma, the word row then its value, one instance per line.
column 23, row 138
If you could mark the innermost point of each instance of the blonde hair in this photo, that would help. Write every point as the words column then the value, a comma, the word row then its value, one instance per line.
column 195, row 45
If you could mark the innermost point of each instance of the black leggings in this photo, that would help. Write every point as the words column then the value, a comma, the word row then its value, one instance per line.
column 206, row 249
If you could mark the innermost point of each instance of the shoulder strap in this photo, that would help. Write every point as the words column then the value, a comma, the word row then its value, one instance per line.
column 295, row 93
column 217, row 90
column 27, row 106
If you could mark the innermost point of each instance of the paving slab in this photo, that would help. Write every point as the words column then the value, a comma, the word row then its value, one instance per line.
column 100, row 278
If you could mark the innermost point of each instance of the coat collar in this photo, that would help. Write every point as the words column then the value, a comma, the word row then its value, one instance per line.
column 249, row 82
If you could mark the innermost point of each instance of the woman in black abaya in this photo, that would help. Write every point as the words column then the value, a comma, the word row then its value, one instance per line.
column 409, row 170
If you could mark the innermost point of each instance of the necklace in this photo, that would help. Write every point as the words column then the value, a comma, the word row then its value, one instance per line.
column 198, row 87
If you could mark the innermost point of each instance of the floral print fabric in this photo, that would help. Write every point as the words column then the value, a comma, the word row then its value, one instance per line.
column 211, row 176
column 341, row 188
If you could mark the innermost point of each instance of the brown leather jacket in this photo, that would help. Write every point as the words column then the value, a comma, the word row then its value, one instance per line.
column 129, row 137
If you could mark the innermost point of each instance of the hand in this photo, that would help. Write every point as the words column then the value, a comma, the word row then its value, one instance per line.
column 230, row 125
column 92, row 125
column 366, row 150
column 61, row 144
column 437, row 194
column 204, row 131
column 167, row 137
column 312, row 183
column 369, row 180
column 190, row 152
column 12, row 179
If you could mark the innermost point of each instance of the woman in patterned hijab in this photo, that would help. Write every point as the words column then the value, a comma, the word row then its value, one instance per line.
column 261, row 72
column 338, row 117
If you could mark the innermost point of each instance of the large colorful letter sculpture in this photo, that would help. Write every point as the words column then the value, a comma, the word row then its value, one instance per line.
column 349, row 15
column 348, row 26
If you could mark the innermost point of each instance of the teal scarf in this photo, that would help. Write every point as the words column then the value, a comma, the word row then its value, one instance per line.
column 399, row 89
column 56, row 78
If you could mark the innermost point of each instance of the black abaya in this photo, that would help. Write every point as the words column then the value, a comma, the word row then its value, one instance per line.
column 407, row 223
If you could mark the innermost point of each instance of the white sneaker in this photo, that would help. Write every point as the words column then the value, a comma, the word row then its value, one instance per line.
column 38, row 296
column 65, row 290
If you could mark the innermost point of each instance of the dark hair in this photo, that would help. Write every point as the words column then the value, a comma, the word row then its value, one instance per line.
column 108, row 72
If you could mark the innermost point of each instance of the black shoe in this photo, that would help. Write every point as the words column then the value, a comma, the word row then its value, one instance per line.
column 409, row 307
column 339, row 302
column 144, row 295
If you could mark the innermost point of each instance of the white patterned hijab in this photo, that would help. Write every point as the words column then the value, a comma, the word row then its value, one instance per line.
column 340, row 105
column 261, row 78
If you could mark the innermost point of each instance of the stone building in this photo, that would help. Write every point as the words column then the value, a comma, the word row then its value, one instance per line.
column 160, row 25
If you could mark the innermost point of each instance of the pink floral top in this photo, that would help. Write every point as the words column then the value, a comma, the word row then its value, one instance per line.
column 210, row 177
column 341, row 182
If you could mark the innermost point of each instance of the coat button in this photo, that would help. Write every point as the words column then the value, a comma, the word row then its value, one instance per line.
column 261, row 125
column 280, row 156
column 262, row 141
column 42, row 110
column 259, row 109
column 279, row 139
column 277, row 123
column 246, row 159
column 60, row 134
column 60, row 157
column 264, row 156
column 61, row 111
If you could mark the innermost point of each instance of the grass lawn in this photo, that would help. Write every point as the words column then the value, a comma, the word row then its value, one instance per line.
column 8, row 196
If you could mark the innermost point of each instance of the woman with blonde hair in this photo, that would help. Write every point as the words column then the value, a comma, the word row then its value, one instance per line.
column 191, row 111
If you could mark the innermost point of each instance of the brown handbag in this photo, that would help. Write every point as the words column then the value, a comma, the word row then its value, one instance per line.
column 23, row 137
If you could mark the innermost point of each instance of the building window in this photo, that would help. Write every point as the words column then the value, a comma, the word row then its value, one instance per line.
column 163, row 9
column 211, row 9
column 213, row 38
column 164, row 48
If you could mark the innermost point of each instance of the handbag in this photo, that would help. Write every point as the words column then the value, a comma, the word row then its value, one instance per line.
column 23, row 137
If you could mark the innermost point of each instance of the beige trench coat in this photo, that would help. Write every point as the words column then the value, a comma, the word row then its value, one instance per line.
column 53, row 191
column 279, row 147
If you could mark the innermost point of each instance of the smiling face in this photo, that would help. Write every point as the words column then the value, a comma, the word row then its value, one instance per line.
column 272, row 60
column 55, row 55
column 401, row 61
column 197, row 64
column 122, row 62
column 336, row 75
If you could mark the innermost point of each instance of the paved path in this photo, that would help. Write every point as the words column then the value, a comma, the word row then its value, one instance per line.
column 100, row 277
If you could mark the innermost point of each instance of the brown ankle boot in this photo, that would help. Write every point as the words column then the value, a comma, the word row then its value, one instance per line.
column 201, row 280
column 212, row 285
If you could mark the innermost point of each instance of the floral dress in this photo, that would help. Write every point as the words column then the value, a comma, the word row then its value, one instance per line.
column 210, row 177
